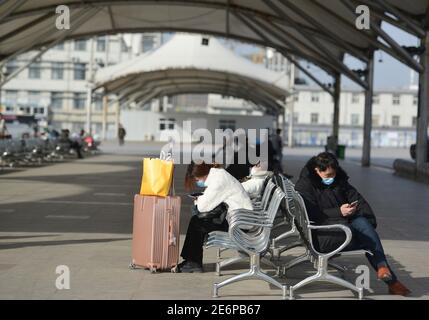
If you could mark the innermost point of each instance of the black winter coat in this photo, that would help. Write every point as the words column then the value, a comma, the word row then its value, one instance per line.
column 323, row 204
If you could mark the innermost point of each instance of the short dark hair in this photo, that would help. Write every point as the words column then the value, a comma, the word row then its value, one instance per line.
column 325, row 160
column 279, row 131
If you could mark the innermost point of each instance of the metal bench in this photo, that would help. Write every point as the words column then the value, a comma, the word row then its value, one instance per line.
column 321, row 260
column 259, row 208
column 287, row 221
column 254, row 243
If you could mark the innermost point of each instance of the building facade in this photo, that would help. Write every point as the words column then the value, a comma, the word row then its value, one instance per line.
column 393, row 121
column 55, row 87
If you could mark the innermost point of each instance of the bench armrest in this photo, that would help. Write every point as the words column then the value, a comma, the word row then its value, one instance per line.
column 346, row 230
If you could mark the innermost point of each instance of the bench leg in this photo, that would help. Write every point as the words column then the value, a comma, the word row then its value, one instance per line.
column 344, row 283
column 227, row 262
column 254, row 273
column 301, row 259
column 337, row 267
column 323, row 275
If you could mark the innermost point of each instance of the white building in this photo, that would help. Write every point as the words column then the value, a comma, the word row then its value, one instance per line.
column 55, row 87
column 394, row 117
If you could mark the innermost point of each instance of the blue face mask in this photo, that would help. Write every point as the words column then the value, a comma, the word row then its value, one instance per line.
column 328, row 181
column 201, row 183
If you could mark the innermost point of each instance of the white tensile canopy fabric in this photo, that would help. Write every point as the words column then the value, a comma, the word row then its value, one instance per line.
column 320, row 31
column 194, row 64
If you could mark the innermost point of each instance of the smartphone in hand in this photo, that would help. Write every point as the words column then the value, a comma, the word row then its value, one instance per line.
column 354, row 203
column 195, row 195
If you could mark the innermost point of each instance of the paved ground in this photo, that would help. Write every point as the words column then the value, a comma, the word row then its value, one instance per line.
column 79, row 214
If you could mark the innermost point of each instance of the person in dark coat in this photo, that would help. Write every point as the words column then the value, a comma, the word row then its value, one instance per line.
column 331, row 199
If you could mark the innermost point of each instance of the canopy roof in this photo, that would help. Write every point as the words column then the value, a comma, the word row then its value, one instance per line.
column 186, row 65
column 320, row 31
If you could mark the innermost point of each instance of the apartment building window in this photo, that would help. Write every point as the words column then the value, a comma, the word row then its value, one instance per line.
column 101, row 44
column 80, row 45
column 11, row 97
column 375, row 120
column 148, row 43
column 415, row 100
column 124, row 47
column 25, row 110
column 396, row 99
column 395, row 121
column 79, row 99
column 57, row 71
column 40, row 110
column 98, row 102
column 295, row 117
column 34, row 70
column 227, row 124
column 79, row 71
column 56, row 100
column 355, row 98
column 314, row 97
column 34, row 98
column 167, row 124
column 11, row 66
column 354, row 119
column 314, row 118
column 414, row 122
column 376, row 99
column 59, row 46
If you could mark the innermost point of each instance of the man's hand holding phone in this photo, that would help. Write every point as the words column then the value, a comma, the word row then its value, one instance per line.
column 348, row 209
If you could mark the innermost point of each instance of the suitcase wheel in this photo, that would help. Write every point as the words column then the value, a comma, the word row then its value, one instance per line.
column 152, row 270
column 132, row 266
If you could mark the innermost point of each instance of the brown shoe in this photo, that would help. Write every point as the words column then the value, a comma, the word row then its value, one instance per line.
column 384, row 274
column 398, row 289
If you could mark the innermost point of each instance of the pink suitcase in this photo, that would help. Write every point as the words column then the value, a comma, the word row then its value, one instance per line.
column 156, row 234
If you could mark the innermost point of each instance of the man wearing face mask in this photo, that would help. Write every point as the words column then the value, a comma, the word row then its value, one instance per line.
column 222, row 194
column 331, row 199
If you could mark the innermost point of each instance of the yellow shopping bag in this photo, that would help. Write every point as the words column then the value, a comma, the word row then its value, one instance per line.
column 157, row 177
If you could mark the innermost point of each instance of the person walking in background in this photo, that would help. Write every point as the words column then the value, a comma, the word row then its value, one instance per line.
column 121, row 135
column 76, row 143
column 3, row 129
column 277, row 146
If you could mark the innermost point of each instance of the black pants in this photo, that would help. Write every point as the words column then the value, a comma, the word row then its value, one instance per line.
column 197, row 231
column 78, row 148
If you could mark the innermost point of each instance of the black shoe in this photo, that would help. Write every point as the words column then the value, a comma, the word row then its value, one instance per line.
column 189, row 267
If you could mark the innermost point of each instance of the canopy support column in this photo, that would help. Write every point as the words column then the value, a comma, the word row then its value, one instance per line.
column 423, row 107
column 117, row 115
column 367, row 126
column 336, row 118
column 105, row 109
column 90, row 88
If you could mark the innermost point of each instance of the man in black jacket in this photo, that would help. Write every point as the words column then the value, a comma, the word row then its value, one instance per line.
column 331, row 199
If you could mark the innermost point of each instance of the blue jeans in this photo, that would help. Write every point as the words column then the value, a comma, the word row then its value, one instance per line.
column 366, row 238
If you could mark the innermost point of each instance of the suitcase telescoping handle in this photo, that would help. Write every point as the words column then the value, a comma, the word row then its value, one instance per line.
column 171, row 236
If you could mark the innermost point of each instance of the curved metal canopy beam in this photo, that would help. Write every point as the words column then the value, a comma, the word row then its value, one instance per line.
column 233, row 92
column 160, row 88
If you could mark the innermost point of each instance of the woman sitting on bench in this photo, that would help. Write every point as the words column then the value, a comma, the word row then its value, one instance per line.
column 330, row 199
column 223, row 193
